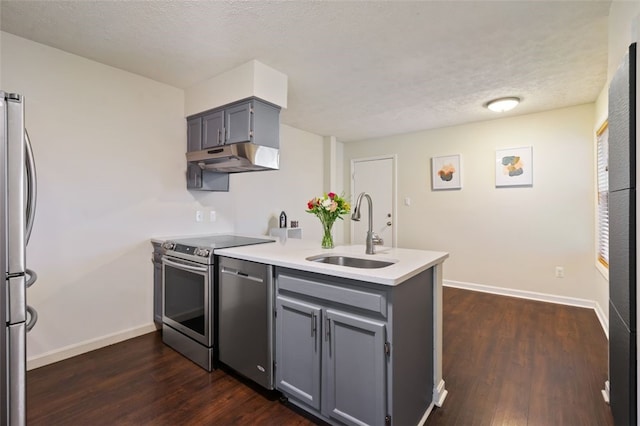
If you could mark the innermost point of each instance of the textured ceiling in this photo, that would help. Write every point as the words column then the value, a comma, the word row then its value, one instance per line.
column 357, row 69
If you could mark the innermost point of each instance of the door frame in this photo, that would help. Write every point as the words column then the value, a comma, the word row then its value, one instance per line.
column 394, row 190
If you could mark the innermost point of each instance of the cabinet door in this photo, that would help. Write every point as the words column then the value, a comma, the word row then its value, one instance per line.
column 194, row 134
column 298, row 350
column 194, row 177
column 238, row 123
column 212, row 128
column 355, row 369
column 157, row 292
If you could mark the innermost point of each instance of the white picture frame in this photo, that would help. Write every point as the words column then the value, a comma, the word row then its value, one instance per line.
column 514, row 167
column 446, row 172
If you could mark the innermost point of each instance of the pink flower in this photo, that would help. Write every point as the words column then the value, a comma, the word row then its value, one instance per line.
column 331, row 195
column 333, row 206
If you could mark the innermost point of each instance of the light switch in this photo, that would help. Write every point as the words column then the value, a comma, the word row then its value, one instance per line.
column 407, row 201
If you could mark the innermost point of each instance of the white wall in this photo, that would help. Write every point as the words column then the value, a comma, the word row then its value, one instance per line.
column 110, row 147
column 505, row 237
column 258, row 198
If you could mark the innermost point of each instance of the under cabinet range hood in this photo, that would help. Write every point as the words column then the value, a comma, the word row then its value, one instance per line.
column 237, row 157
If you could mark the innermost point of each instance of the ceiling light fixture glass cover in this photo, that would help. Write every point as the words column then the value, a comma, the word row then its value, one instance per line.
column 503, row 104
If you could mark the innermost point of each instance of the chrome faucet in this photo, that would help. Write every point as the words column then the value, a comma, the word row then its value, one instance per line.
column 372, row 237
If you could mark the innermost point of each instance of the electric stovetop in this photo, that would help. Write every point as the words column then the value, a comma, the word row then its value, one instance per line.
column 220, row 241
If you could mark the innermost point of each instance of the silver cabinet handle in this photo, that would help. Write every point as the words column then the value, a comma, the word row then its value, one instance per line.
column 314, row 330
column 186, row 267
column 32, row 186
column 33, row 277
column 328, row 324
column 33, row 318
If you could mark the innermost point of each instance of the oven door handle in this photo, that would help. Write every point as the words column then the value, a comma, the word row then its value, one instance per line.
column 166, row 261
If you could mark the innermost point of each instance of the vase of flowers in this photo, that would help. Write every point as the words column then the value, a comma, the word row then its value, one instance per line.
column 328, row 208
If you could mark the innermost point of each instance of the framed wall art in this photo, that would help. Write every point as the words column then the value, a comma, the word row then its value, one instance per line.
column 514, row 167
column 446, row 172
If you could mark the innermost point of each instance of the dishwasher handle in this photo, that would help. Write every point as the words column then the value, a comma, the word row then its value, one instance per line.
column 232, row 271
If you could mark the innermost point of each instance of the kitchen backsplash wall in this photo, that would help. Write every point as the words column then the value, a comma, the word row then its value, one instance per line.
column 259, row 197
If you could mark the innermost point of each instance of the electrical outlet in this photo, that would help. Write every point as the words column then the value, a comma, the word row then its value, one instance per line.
column 559, row 272
column 199, row 216
column 212, row 216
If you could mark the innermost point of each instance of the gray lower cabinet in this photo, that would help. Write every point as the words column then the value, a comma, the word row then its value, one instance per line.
column 157, row 282
column 355, row 367
column 355, row 353
column 331, row 358
column 298, row 348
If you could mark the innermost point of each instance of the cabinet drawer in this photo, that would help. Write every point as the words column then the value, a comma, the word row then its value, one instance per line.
column 345, row 294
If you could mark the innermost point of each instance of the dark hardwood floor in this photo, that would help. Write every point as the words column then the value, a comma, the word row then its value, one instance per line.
column 506, row 361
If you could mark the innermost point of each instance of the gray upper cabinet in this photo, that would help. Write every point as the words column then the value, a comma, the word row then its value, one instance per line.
column 202, row 180
column 194, row 134
column 212, row 129
column 238, row 122
column 249, row 120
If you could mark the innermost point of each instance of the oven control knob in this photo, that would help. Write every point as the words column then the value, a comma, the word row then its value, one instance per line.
column 202, row 252
column 168, row 245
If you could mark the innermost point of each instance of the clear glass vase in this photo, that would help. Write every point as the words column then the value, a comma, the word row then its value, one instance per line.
column 327, row 237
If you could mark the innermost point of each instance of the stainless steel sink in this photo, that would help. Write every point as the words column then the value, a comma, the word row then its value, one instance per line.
column 353, row 262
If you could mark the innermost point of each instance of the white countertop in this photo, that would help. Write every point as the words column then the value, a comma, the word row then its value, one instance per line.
column 292, row 253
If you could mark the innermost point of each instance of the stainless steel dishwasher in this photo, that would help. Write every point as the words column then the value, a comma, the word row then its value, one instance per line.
column 245, row 305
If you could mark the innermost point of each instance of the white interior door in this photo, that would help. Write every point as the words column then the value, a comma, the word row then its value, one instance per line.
column 376, row 177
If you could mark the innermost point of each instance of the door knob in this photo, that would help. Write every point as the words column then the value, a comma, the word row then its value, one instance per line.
column 389, row 223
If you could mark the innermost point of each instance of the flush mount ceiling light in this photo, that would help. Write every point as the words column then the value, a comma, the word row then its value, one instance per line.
column 503, row 104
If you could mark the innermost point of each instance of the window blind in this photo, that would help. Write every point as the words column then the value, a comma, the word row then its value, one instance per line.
column 603, row 194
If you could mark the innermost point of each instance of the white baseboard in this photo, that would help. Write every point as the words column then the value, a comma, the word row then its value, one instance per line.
column 439, row 394
column 606, row 392
column 87, row 346
column 423, row 420
column 602, row 317
column 532, row 295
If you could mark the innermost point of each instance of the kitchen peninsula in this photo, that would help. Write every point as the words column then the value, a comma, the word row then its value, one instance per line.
column 355, row 345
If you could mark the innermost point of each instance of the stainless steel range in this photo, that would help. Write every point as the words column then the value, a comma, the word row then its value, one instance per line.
column 190, row 292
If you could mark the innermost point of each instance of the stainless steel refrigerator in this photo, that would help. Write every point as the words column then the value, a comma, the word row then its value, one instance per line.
column 622, row 242
column 17, row 209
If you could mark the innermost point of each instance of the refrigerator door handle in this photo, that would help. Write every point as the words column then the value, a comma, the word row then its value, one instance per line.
column 32, row 186
column 33, row 277
column 33, row 318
